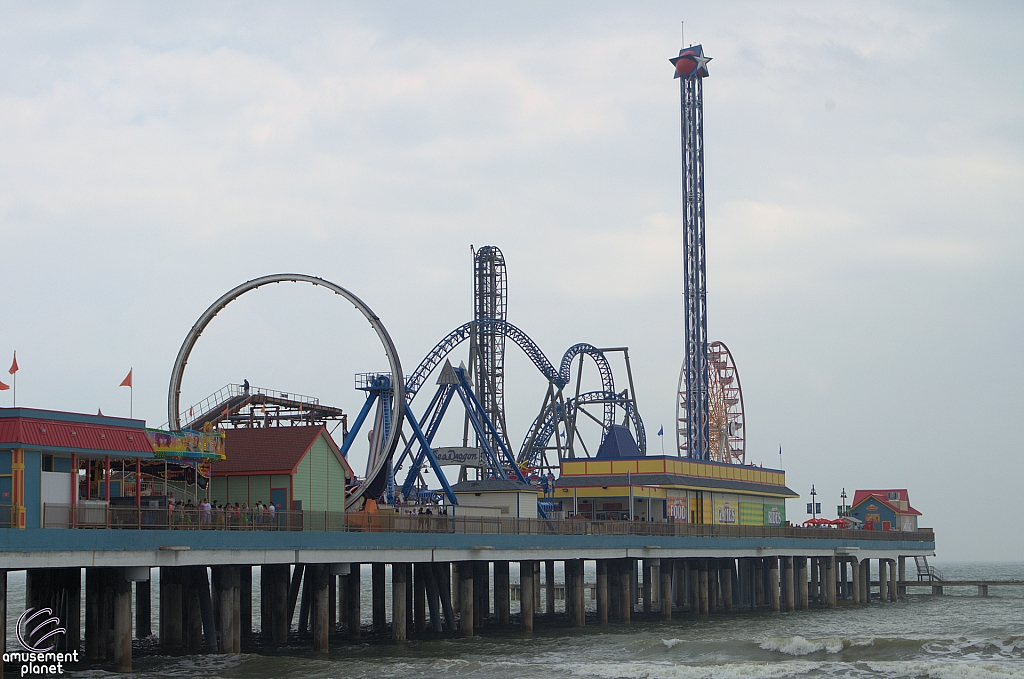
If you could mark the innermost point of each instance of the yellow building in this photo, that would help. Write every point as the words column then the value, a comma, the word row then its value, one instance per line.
column 662, row 488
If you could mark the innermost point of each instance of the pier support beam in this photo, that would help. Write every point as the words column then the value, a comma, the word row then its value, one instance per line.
column 502, row 598
column 773, row 582
column 526, row 599
column 855, row 575
column 465, row 571
column 245, row 604
column 170, row 609
column 789, row 582
column 320, row 595
column 893, row 586
column 712, row 585
column 433, row 598
column 122, row 609
column 399, row 581
column 800, row 571
column 274, row 593
column 568, row 590
column 830, row 581
column 646, row 578
column 702, row 575
column 627, row 581
column 579, row 593
column 614, row 597
column 419, row 608
column 549, row 587
column 443, row 576
column 667, row 569
column 353, row 601
column 377, row 584
column 983, row 590
column 758, row 582
column 602, row 591
column 227, row 592
column 902, row 576
column 728, row 577
column 883, row 581
column 865, row 581
column 815, row 588
column 143, row 608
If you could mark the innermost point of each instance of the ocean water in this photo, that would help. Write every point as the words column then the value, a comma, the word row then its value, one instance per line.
column 957, row 636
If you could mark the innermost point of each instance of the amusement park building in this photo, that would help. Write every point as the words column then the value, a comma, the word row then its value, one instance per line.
column 665, row 488
column 884, row 510
column 298, row 468
column 41, row 452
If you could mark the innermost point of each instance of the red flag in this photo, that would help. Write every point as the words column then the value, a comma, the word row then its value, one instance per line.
column 4, row 387
column 14, row 364
column 127, row 381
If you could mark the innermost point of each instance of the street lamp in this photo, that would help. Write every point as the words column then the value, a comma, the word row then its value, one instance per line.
column 813, row 508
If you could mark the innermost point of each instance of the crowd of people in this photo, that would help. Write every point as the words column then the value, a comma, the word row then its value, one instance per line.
column 209, row 515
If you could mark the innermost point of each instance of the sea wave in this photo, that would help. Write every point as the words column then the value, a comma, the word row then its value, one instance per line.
column 947, row 670
column 648, row 670
column 800, row 646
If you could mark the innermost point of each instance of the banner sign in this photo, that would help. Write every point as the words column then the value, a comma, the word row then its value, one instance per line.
column 470, row 457
column 188, row 444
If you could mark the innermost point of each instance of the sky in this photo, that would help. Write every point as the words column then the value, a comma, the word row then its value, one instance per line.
column 864, row 187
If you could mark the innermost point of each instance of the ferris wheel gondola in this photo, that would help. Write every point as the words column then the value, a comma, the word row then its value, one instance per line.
column 726, row 424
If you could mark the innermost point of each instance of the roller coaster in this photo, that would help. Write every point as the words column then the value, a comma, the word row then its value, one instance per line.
column 480, row 389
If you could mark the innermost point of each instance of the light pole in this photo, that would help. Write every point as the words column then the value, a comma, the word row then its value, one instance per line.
column 814, row 506
column 842, row 507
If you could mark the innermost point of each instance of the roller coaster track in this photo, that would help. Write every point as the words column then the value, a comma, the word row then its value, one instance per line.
column 546, row 423
column 462, row 333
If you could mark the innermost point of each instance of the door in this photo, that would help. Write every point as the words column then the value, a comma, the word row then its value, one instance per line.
column 279, row 496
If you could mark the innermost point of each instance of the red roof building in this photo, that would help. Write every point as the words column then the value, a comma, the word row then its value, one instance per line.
column 42, row 451
column 884, row 509
column 292, row 467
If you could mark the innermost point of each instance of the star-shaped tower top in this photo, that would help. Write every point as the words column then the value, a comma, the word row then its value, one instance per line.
column 691, row 63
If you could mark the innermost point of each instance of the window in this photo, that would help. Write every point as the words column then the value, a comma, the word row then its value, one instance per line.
column 47, row 463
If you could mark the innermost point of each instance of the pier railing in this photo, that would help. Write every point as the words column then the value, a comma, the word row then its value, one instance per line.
column 69, row 516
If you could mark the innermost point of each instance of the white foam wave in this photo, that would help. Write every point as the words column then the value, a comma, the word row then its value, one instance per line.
column 649, row 670
column 800, row 646
column 947, row 670
column 671, row 643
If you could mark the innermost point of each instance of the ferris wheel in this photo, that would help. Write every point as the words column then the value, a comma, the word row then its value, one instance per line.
column 726, row 426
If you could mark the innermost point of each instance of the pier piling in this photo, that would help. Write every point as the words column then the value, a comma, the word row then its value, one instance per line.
column 353, row 600
column 602, row 591
column 502, row 598
column 377, row 585
column 627, row 580
column 122, row 610
column 667, row 569
column 465, row 570
column 526, row 599
column 399, row 580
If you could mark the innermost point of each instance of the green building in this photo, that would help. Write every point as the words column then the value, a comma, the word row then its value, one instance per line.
column 296, row 468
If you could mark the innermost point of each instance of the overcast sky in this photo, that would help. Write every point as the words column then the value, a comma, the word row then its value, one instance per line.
column 865, row 186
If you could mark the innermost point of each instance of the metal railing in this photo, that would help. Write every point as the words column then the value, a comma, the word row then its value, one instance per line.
column 68, row 516
column 229, row 391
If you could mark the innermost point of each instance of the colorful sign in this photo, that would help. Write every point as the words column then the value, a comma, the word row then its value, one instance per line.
column 751, row 514
column 774, row 514
column 469, row 457
column 725, row 512
column 187, row 444
column 677, row 509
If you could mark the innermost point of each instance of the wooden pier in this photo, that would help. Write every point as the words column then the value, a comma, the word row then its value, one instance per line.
column 448, row 575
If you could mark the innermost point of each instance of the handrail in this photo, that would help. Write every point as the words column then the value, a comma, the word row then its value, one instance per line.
column 193, row 518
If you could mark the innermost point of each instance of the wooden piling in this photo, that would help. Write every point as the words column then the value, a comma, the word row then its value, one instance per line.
column 122, row 609
column 893, row 586
column 320, row 595
column 143, row 606
column 419, row 609
column 703, row 591
column 433, row 597
column 627, row 581
column 466, row 598
column 602, row 591
column 353, row 598
column 667, row 569
column 549, row 587
column 502, row 594
column 526, row 599
column 377, row 586
column 443, row 575
column 773, row 582
column 790, row 583
column 399, row 580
